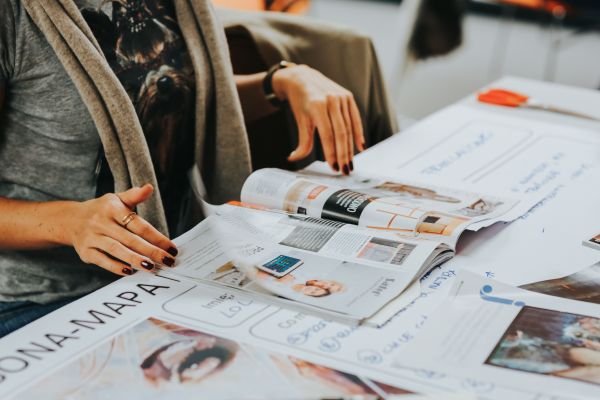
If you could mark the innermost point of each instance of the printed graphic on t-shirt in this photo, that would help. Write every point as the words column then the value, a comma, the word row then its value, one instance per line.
column 144, row 45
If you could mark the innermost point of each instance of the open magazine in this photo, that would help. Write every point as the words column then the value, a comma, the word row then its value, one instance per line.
column 405, row 208
column 346, row 247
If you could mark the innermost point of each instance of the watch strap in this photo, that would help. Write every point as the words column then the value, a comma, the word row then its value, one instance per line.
column 268, row 84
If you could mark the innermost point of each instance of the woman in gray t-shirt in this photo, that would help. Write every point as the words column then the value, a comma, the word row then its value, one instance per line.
column 63, row 232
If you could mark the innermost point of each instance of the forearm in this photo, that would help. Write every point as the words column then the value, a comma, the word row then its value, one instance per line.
column 92, row 228
column 252, row 96
column 26, row 225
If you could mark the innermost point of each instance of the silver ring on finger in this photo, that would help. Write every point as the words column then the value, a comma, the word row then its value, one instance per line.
column 128, row 218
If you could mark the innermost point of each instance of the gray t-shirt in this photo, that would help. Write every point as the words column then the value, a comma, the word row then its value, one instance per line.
column 49, row 150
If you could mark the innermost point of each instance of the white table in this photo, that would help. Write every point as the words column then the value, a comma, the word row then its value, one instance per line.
column 364, row 351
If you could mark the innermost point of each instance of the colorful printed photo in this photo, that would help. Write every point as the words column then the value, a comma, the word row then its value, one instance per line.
column 479, row 208
column 399, row 190
column 551, row 343
column 582, row 286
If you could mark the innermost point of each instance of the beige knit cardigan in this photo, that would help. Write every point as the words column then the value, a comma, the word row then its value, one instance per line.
column 223, row 160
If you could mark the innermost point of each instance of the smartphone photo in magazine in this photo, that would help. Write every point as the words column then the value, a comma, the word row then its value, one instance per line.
column 280, row 265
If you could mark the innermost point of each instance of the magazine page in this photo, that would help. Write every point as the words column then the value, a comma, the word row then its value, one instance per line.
column 327, row 266
column 156, row 359
column 400, row 207
column 515, row 337
column 335, row 239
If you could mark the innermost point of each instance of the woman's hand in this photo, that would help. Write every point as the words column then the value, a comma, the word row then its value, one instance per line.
column 321, row 104
column 94, row 229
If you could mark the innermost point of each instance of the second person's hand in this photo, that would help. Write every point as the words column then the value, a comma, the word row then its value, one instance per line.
column 320, row 104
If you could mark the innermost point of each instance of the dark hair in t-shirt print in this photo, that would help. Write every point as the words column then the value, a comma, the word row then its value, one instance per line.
column 143, row 44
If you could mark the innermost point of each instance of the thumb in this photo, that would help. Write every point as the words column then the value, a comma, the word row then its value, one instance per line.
column 134, row 196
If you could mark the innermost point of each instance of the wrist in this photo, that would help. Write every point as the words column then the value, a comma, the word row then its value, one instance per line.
column 275, row 83
column 280, row 82
column 61, row 222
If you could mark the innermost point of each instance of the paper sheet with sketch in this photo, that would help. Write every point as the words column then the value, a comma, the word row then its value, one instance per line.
column 549, row 167
column 519, row 338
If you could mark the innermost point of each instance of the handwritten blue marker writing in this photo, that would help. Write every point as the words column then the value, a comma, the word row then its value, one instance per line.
column 488, row 289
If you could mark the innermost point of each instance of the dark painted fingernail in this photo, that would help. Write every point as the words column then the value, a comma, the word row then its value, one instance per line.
column 173, row 251
column 351, row 166
column 336, row 167
column 147, row 265
column 168, row 261
column 346, row 170
column 134, row 271
column 364, row 146
column 127, row 271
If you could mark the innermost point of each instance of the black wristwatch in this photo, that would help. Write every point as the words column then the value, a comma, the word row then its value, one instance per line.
column 268, row 83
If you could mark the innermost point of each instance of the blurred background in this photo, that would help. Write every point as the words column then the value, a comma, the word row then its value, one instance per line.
column 434, row 52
